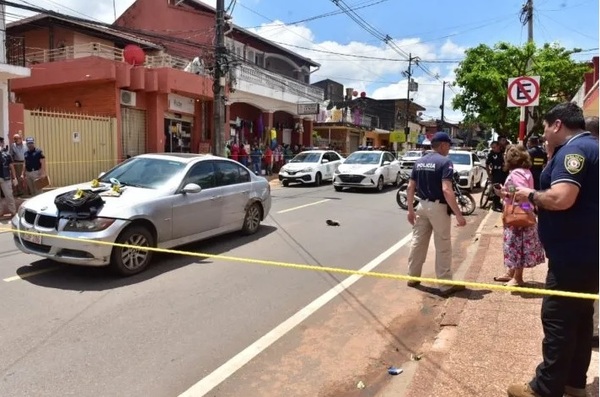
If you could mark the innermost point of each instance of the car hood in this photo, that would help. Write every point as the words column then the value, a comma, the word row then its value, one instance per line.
column 462, row 167
column 299, row 166
column 356, row 168
column 129, row 203
column 410, row 158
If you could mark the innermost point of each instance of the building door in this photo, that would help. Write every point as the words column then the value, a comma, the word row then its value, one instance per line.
column 133, row 131
column 354, row 142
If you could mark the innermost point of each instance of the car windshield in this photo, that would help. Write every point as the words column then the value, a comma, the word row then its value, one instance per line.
column 460, row 158
column 306, row 157
column 412, row 154
column 149, row 173
column 363, row 158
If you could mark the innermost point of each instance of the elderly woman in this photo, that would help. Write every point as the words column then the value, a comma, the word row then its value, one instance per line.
column 522, row 246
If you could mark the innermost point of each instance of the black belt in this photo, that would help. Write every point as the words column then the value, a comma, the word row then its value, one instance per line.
column 32, row 170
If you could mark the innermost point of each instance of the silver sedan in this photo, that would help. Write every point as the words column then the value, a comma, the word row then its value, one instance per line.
column 152, row 200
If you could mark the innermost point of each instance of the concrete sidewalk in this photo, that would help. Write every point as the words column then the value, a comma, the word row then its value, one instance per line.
column 488, row 340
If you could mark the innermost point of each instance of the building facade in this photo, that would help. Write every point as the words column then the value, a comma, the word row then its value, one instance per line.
column 333, row 91
column 84, row 69
column 587, row 96
column 269, row 86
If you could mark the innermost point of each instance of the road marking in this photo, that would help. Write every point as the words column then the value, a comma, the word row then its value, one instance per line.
column 220, row 374
column 303, row 206
column 30, row 274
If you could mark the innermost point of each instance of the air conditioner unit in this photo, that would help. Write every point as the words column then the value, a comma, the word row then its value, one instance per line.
column 127, row 98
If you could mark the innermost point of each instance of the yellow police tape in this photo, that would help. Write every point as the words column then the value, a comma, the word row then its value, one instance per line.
column 299, row 266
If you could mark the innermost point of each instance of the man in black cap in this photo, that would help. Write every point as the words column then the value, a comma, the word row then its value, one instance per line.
column 539, row 159
column 431, row 180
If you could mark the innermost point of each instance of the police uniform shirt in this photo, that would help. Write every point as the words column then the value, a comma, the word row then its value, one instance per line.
column 572, row 235
column 33, row 159
column 5, row 162
column 539, row 158
column 496, row 161
column 428, row 173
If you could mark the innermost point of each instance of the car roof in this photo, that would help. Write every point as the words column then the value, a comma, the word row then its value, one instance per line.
column 370, row 151
column 315, row 151
column 460, row 151
column 181, row 157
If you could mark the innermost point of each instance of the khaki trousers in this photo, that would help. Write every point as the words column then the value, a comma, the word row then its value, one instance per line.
column 431, row 217
column 8, row 200
column 30, row 177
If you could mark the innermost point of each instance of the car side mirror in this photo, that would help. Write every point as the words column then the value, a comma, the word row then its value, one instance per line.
column 386, row 163
column 324, row 161
column 191, row 188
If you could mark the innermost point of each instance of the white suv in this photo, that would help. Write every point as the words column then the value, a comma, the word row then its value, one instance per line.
column 311, row 166
column 469, row 168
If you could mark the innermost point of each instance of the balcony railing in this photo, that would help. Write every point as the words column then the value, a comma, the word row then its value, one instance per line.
column 102, row 51
column 265, row 78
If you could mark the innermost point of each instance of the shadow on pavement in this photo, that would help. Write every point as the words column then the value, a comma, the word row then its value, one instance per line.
column 82, row 278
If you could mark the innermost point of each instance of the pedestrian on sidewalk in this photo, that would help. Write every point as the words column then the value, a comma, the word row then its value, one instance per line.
column 568, row 226
column 522, row 246
column 431, row 179
column 8, row 179
column 495, row 167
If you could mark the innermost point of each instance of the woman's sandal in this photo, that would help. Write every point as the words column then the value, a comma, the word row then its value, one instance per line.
column 513, row 283
column 503, row 279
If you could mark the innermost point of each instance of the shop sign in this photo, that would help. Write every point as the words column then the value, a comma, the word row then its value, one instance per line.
column 308, row 108
column 181, row 104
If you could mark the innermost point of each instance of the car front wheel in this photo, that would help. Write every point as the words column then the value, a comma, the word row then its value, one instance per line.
column 128, row 259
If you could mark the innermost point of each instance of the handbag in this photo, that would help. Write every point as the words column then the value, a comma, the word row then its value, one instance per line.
column 516, row 216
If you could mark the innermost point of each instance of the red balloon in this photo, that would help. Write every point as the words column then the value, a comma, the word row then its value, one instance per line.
column 134, row 55
column 363, row 94
column 354, row 93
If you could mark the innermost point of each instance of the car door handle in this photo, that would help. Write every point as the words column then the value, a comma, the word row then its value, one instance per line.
column 213, row 198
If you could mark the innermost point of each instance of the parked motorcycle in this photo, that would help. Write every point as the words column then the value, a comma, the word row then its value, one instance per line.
column 466, row 202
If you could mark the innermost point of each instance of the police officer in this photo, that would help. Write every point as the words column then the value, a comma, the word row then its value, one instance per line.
column 35, row 166
column 8, row 179
column 495, row 168
column 431, row 179
column 539, row 158
column 569, row 230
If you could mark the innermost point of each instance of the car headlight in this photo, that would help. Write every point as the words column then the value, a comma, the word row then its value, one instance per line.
column 21, row 211
column 88, row 225
column 309, row 169
column 337, row 171
column 463, row 173
column 371, row 171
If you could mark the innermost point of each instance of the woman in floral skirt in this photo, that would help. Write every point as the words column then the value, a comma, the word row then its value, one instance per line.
column 522, row 246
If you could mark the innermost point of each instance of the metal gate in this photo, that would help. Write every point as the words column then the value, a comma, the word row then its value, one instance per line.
column 133, row 131
column 77, row 147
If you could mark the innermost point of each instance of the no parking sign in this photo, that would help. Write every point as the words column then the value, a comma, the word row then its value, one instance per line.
column 523, row 91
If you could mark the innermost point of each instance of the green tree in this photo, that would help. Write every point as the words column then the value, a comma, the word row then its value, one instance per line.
column 483, row 77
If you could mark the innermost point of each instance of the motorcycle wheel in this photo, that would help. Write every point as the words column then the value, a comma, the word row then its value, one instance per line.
column 401, row 196
column 466, row 203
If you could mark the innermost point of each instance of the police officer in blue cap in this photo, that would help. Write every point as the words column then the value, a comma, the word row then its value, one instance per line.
column 568, row 225
column 431, row 180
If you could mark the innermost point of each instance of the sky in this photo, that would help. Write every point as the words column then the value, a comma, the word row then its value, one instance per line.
column 436, row 31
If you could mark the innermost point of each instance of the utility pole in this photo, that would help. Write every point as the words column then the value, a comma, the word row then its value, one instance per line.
column 411, row 86
column 525, row 120
column 443, row 103
column 218, row 147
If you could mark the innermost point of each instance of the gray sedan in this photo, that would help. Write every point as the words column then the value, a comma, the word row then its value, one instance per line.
column 152, row 200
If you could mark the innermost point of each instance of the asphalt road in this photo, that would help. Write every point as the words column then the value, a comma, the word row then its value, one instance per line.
column 72, row 331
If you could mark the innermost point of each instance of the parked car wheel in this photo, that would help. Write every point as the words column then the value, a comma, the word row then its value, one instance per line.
column 128, row 261
column 252, row 219
column 380, row 184
column 285, row 183
column 318, row 179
